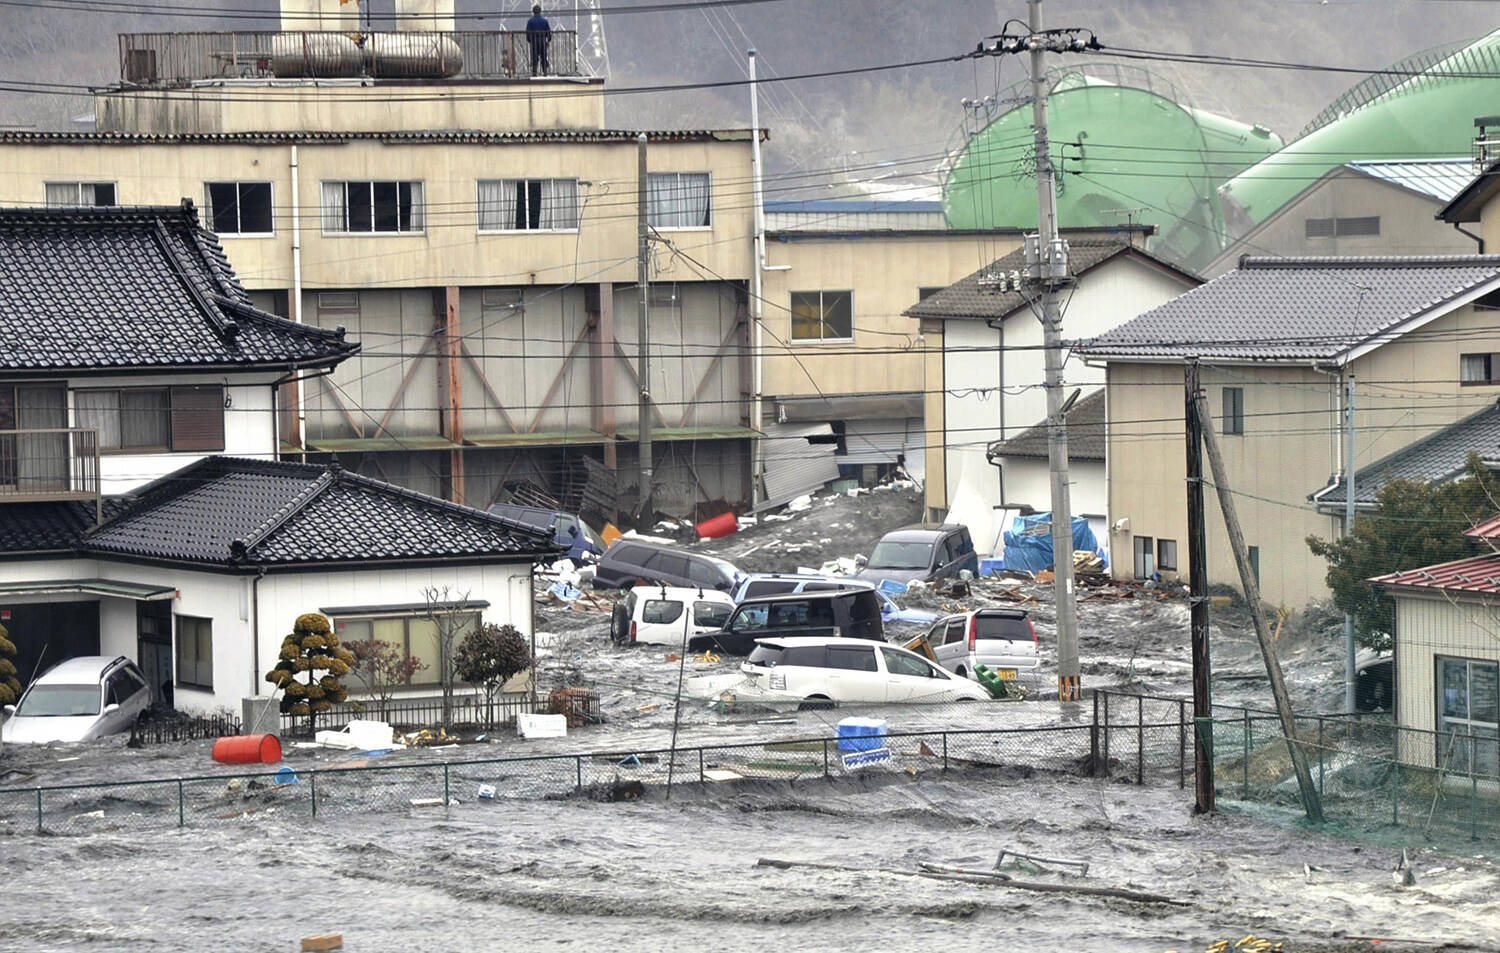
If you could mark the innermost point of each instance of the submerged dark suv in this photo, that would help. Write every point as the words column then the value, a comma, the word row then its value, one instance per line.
column 850, row 613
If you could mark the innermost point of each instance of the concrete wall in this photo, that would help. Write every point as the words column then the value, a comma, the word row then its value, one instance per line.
column 1407, row 224
column 1289, row 449
column 350, row 106
column 885, row 273
column 450, row 250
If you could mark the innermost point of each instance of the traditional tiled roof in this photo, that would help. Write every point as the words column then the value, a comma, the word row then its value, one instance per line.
column 236, row 512
column 398, row 137
column 967, row 298
column 231, row 513
column 1085, row 434
column 1298, row 309
column 135, row 289
column 1438, row 456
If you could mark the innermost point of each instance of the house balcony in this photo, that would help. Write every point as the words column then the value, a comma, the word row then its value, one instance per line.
column 165, row 60
column 50, row 464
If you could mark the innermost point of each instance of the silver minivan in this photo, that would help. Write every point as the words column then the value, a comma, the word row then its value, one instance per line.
column 1003, row 640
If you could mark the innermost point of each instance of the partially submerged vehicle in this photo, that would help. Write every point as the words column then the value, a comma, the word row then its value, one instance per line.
column 820, row 671
column 1001, row 639
column 921, row 552
column 80, row 699
column 848, row 612
column 665, row 615
column 633, row 562
column 772, row 583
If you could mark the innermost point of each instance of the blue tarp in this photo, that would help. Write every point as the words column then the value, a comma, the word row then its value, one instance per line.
column 1028, row 542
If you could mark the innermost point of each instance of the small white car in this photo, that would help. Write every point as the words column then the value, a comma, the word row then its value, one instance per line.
column 667, row 615
column 820, row 669
column 1003, row 640
column 79, row 700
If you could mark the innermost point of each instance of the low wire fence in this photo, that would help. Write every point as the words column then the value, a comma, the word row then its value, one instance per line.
column 1376, row 780
column 406, row 713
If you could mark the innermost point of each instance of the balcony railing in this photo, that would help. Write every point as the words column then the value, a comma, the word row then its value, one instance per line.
column 180, row 59
column 49, row 464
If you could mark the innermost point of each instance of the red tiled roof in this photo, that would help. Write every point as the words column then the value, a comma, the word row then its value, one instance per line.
column 1489, row 529
column 1475, row 574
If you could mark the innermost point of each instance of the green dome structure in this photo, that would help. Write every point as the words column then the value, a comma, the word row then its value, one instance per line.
column 1127, row 148
column 1423, row 106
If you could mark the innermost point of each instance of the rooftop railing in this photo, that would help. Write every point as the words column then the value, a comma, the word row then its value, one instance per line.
column 181, row 59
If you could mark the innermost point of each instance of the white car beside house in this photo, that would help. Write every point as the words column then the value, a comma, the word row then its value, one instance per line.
column 81, row 699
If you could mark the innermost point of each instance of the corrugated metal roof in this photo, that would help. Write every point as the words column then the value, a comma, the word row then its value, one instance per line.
column 850, row 206
column 1441, row 179
column 1479, row 574
column 1489, row 529
column 1296, row 309
column 1438, row 456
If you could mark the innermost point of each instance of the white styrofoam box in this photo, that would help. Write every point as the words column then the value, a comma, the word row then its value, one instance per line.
column 542, row 726
column 370, row 735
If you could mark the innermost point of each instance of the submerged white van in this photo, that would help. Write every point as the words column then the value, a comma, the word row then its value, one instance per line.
column 668, row 615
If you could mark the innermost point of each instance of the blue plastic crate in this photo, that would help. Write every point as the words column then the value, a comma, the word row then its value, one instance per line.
column 861, row 734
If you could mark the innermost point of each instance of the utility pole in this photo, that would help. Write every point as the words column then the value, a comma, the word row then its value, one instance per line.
column 1048, row 273
column 1203, row 765
column 643, row 358
column 757, row 286
column 1349, row 673
column 1311, row 803
column 1046, row 277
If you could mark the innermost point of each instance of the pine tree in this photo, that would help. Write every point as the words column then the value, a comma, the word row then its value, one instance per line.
column 10, row 685
column 311, row 648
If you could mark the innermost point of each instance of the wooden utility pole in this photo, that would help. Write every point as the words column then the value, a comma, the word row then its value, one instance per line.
column 1310, row 800
column 1203, row 762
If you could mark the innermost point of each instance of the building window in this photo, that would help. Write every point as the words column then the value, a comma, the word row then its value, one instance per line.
column 927, row 292
column 523, row 205
column 822, row 315
column 195, row 652
column 415, row 635
column 1364, row 225
column 1166, row 554
column 80, row 193
column 1468, row 715
column 357, row 207
column 153, row 418
column 1234, row 410
column 678, row 200
column 1478, row 368
column 238, row 208
column 34, row 461
column 1255, row 564
column 1145, row 560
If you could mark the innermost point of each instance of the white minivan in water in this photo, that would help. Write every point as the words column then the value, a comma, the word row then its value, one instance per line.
column 668, row 615
column 822, row 669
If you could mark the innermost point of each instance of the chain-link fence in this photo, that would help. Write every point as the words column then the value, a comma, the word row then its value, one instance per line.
column 403, row 785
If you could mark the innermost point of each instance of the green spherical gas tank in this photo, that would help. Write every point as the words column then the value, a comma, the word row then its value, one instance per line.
column 1126, row 152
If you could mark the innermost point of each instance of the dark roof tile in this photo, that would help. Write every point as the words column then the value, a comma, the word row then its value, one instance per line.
column 125, row 288
column 1085, row 434
column 1441, row 455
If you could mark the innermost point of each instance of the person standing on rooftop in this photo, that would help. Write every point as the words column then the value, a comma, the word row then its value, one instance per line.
column 539, row 37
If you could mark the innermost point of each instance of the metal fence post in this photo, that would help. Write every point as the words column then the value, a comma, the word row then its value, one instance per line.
column 447, row 798
column 1094, row 737
column 1245, row 761
column 1320, row 756
column 312, row 784
column 945, row 751
column 1181, row 743
column 1140, row 739
column 825, row 757
column 1473, row 800
column 700, row 765
column 38, row 810
column 578, row 772
column 179, row 803
column 1106, row 734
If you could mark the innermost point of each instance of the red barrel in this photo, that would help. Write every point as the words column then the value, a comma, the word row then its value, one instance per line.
column 721, row 525
column 248, row 749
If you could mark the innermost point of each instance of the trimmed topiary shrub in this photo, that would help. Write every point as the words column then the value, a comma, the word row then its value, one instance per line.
column 310, row 649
